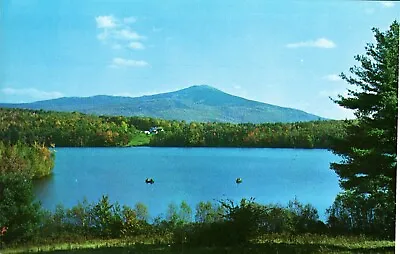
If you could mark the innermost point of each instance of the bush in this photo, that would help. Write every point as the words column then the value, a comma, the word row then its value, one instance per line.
column 305, row 218
column 134, row 221
column 18, row 211
column 236, row 225
column 239, row 223
column 278, row 220
column 354, row 213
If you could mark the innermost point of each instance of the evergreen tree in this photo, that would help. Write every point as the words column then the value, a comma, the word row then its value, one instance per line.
column 369, row 158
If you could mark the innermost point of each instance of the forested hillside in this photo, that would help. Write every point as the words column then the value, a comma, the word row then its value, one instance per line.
column 193, row 104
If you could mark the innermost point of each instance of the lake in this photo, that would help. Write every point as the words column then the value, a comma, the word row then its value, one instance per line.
column 189, row 174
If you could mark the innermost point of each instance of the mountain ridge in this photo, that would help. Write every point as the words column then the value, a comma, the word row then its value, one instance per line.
column 201, row 103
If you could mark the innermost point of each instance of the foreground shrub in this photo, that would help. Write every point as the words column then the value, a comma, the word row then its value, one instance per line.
column 305, row 218
column 102, row 219
column 239, row 223
column 18, row 211
column 223, row 224
column 354, row 213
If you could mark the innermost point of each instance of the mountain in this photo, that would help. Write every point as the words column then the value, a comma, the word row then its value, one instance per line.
column 196, row 103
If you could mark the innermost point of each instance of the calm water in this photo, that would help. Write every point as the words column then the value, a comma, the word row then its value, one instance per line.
column 190, row 174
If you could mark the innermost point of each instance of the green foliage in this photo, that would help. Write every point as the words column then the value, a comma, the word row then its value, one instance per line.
column 106, row 218
column 97, row 220
column 185, row 213
column 239, row 223
column 244, row 220
column 369, row 151
column 207, row 212
column 278, row 220
column 355, row 213
column 178, row 216
column 140, row 139
column 74, row 129
column 63, row 129
column 305, row 218
column 134, row 221
column 172, row 214
column 18, row 211
column 141, row 211
column 35, row 161
column 278, row 135
column 222, row 224
column 19, row 164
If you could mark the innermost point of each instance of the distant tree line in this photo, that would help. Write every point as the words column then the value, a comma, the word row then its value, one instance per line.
column 78, row 130
column 315, row 134
column 62, row 129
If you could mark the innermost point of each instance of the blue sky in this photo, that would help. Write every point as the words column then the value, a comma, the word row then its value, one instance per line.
column 286, row 53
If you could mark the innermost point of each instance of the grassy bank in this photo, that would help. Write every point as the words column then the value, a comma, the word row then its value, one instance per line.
column 140, row 139
column 271, row 243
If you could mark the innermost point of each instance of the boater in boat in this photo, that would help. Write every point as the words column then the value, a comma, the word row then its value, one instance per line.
column 238, row 180
column 149, row 180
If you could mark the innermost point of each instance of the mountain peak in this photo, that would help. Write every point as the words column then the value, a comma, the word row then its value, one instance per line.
column 202, row 87
column 202, row 103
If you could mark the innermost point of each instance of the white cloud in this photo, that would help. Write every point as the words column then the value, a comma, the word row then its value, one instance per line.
column 129, row 20
column 117, row 34
column 127, row 34
column 31, row 92
column 387, row 4
column 123, row 34
column 319, row 43
column 121, row 62
column 113, row 29
column 105, row 21
column 136, row 45
column 333, row 77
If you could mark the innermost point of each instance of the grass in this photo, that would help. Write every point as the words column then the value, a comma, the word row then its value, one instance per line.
column 264, row 244
column 140, row 139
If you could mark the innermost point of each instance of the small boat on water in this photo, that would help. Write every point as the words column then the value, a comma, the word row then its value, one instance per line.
column 239, row 180
column 149, row 181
